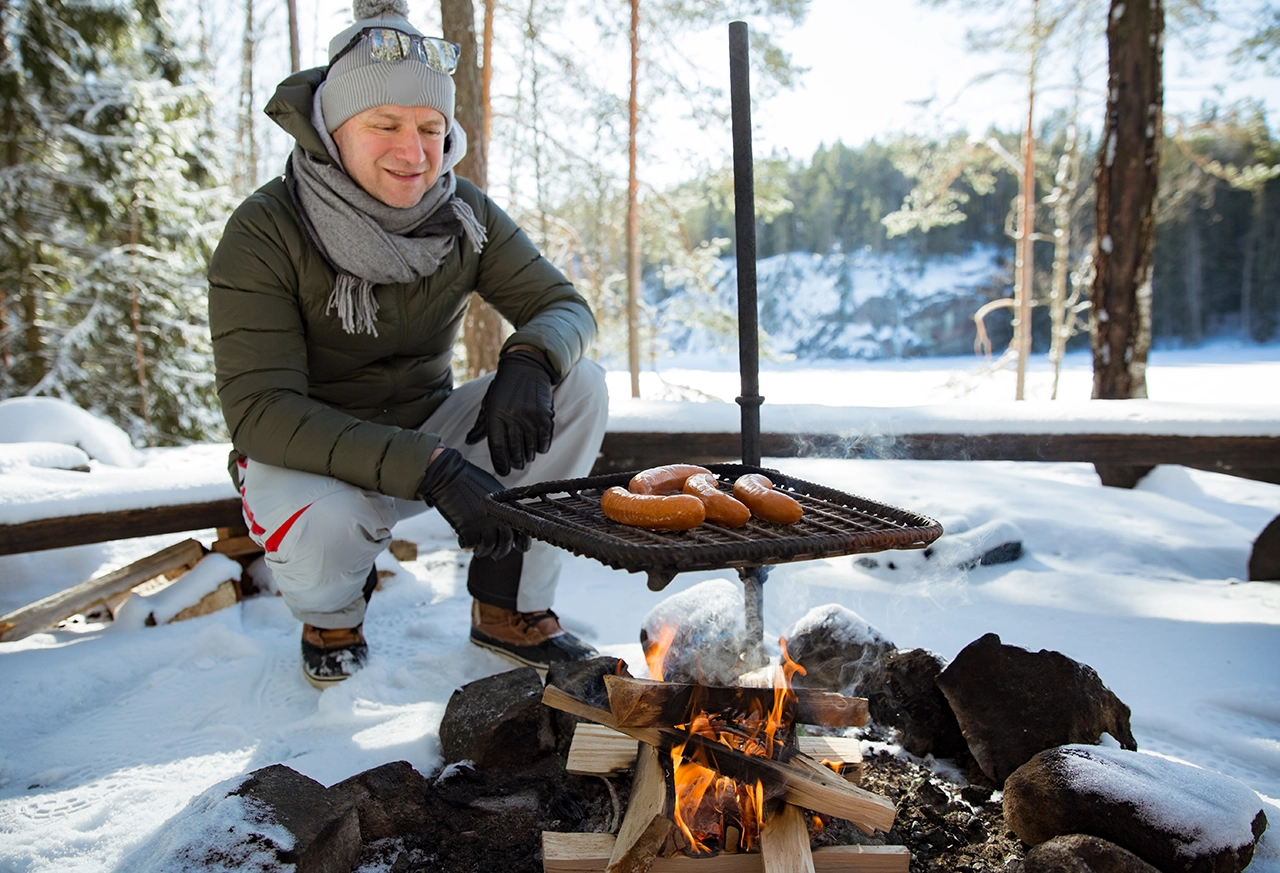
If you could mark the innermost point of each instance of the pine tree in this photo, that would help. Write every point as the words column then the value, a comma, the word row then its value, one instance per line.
column 118, row 195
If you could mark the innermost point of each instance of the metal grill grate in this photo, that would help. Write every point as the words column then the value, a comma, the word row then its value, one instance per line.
column 567, row 514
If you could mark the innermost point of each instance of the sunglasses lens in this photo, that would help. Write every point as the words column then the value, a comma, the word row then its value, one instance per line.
column 386, row 44
column 440, row 55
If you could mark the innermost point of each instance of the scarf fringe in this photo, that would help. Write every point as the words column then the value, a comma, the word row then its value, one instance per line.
column 471, row 226
column 354, row 300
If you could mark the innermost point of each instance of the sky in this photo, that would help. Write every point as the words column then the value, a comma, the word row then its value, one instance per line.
column 871, row 68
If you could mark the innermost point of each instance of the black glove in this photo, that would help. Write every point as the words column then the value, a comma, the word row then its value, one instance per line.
column 516, row 412
column 457, row 488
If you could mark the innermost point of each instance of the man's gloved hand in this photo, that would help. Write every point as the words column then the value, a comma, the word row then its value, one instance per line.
column 457, row 488
column 516, row 413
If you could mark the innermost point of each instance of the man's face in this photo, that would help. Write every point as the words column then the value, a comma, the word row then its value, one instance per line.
column 393, row 152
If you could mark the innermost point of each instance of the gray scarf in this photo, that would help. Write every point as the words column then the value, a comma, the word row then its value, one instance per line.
column 368, row 242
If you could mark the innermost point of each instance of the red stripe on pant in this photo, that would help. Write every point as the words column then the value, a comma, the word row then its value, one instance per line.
column 273, row 541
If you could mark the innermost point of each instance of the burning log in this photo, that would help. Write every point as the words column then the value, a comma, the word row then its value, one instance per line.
column 646, row 703
column 798, row 778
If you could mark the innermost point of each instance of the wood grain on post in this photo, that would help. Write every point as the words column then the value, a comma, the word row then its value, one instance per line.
column 784, row 842
column 48, row 612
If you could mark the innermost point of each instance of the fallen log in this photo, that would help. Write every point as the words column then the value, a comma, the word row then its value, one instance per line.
column 646, row 703
column 800, row 779
column 48, row 612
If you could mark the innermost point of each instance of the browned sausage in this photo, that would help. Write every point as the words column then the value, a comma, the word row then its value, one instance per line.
column 756, row 491
column 652, row 511
column 721, row 508
column 668, row 479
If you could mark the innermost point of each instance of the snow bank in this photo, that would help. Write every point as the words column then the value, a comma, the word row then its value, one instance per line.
column 47, row 419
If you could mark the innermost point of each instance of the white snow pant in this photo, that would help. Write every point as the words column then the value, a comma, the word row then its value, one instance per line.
column 321, row 535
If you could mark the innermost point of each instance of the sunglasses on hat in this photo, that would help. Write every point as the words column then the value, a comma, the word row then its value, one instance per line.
column 389, row 44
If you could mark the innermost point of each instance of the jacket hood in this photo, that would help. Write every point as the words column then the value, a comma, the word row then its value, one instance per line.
column 290, row 107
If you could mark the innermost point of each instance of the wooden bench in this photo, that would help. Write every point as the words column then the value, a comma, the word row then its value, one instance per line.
column 1255, row 457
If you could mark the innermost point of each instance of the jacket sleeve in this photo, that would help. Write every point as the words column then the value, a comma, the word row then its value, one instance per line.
column 260, row 354
column 547, row 311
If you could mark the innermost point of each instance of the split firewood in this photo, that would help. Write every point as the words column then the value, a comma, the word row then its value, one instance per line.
column 784, row 842
column 646, row 703
column 800, row 779
column 648, row 819
column 600, row 751
column 48, row 612
column 580, row 853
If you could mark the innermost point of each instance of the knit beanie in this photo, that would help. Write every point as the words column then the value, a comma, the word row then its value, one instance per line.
column 357, row 81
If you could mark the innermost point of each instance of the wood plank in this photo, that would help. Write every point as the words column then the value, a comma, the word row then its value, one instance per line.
column 647, row 821
column 804, row 781
column 589, row 853
column 647, row 703
column 600, row 751
column 48, row 612
column 784, row 842
column 101, row 527
column 1251, row 457
column 236, row 547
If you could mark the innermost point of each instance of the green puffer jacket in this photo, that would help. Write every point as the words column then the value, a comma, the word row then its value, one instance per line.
column 299, row 392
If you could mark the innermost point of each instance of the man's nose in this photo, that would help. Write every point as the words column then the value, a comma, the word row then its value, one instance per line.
column 408, row 146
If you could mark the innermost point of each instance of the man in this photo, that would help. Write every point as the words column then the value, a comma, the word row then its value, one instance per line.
column 335, row 298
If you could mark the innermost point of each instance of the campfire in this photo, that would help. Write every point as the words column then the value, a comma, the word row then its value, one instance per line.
column 722, row 775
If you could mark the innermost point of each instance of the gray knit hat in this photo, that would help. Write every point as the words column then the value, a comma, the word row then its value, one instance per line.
column 357, row 81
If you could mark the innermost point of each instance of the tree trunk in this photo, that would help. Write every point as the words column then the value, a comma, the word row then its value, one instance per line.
column 486, row 82
column 482, row 330
column 1127, row 180
column 633, row 210
column 295, row 49
column 246, row 142
column 1250, row 260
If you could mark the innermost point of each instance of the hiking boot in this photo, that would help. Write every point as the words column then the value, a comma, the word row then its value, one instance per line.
column 330, row 655
column 532, row 638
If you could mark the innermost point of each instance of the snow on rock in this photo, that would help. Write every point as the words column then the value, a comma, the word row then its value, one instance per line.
column 706, row 626
column 188, row 590
column 219, row 831
column 58, row 456
column 841, row 624
column 837, row 648
column 47, row 419
column 1175, row 816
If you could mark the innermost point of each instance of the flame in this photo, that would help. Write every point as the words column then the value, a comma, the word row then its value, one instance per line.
column 656, row 656
column 708, row 804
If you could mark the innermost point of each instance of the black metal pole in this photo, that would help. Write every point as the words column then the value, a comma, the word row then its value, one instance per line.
column 744, row 211
column 744, row 202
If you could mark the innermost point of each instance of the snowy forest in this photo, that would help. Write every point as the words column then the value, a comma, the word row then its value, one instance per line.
column 131, row 128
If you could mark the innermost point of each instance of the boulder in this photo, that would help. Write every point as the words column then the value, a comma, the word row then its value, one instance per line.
column 906, row 696
column 1078, row 853
column 1264, row 559
column 325, row 831
column 705, row 629
column 1012, row 703
column 839, row 650
column 390, row 800
column 1176, row 817
column 498, row 721
column 585, row 681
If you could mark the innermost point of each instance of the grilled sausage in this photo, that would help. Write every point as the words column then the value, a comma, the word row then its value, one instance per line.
column 652, row 511
column 721, row 508
column 668, row 479
column 756, row 491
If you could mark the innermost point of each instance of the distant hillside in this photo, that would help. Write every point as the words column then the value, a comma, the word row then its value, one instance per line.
column 861, row 305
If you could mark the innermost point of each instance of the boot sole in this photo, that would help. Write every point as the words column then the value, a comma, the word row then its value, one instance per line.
column 511, row 656
column 322, row 684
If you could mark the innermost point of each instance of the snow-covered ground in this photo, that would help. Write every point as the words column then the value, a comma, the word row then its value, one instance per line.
column 111, row 730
